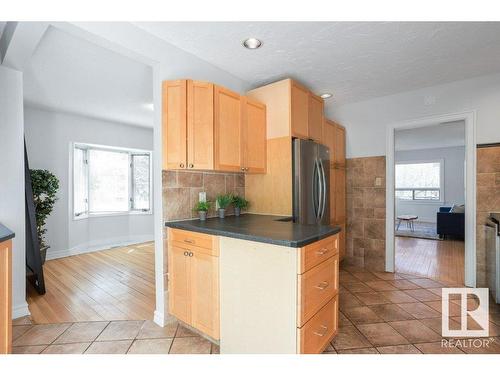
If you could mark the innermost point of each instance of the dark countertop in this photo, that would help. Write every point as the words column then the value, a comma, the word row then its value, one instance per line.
column 259, row 228
column 5, row 233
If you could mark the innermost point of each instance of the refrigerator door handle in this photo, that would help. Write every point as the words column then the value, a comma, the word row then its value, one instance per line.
column 315, row 198
column 323, row 184
column 320, row 188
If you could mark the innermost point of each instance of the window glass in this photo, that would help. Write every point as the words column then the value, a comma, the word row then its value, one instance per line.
column 108, row 181
column 418, row 175
column 80, row 182
column 140, row 182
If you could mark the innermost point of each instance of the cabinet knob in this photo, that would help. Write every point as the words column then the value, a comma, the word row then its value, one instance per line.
column 190, row 254
column 186, row 253
column 191, row 165
column 181, row 165
column 243, row 169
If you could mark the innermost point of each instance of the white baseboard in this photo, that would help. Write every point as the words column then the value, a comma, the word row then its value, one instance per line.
column 159, row 318
column 20, row 310
column 98, row 246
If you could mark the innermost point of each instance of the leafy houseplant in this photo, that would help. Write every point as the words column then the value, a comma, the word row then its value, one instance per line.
column 45, row 186
column 223, row 201
column 202, row 209
column 239, row 204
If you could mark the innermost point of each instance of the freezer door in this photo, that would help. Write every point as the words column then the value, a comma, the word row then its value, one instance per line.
column 324, row 164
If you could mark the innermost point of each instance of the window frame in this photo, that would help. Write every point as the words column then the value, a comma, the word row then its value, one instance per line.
column 130, row 152
column 441, row 199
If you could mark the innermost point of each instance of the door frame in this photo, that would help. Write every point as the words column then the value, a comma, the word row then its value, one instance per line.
column 470, row 186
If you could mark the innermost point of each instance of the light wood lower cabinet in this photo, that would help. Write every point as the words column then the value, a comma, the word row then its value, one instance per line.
column 193, row 280
column 318, row 287
column 6, row 297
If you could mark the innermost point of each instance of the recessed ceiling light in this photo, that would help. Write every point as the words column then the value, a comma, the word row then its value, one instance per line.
column 252, row 43
column 326, row 95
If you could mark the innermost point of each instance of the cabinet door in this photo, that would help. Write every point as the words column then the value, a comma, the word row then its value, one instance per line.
column 299, row 111
column 315, row 118
column 227, row 130
column 328, row 138
column 254, row 136
column 340, row 196
column 179, row 294
column 174, row 124
column 205, row 293
column 339, row 146
column 200, row 125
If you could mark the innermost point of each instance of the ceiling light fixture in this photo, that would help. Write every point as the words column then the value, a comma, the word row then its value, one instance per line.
column 252, row 43
column 326, row 95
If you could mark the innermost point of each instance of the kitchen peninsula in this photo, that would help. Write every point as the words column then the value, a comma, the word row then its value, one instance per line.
column 256, row 283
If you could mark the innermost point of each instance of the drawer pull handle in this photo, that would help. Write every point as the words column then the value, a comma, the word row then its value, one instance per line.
column 322, row 251
column 321, row 334
column 189, row 241
column 323, row 285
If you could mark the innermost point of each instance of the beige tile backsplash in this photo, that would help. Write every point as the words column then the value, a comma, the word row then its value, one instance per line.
column 365, row 235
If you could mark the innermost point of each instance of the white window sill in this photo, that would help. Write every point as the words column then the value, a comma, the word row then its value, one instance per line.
column 112, row 214
column 420, row 202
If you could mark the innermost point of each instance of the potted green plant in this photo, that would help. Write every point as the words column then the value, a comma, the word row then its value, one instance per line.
column 45, row 186
column 202, row 209
column 223, row 202
column 239, row 204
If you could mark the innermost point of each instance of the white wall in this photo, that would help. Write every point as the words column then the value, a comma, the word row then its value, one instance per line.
column 454, row 188
column 12, row 184
column 49, row 136
column 366, row 121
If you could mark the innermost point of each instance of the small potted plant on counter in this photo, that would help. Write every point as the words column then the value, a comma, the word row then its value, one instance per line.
column 239, row 204
column 202, row 209
column 223, row 202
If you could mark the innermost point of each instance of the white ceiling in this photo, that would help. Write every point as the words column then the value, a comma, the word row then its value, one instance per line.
column 353, row 60
column 72, row 75
column 450, row 134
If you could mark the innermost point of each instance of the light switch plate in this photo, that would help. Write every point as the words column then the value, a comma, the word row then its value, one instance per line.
column 202, row 196
column 378, row 181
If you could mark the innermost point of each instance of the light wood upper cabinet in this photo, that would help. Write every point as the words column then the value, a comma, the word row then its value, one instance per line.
column 299, row 111
column 228, row 151
column 179, row 301
column 329, row 138
column 339, row 154
column 200, row 125
column 174, row 124
column 315, row 118
column 340, row 196
column 205, row 293
column 254, row 145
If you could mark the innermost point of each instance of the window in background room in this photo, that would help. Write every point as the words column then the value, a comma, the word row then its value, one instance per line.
column 110, row 181
column 419, row 181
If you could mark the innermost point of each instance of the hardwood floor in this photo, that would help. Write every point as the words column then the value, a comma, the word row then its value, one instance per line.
column 115, row 284
column 439, row 260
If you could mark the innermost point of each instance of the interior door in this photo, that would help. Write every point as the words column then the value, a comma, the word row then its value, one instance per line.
column 227, row 130
column 200, row 125
column 205, row 293
column 254, row 136
column 174, row 124
column 179, row 294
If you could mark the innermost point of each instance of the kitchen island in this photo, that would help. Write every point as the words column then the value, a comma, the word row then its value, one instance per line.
column 255, row 283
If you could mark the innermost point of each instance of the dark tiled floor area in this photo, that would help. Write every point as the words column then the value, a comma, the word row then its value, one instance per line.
column 379, row 313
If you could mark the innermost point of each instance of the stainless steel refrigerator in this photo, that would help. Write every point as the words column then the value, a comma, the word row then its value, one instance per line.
column 311, row 179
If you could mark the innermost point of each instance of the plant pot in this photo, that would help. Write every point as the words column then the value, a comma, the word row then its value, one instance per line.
column 237, row 211
column 222, row 213
column 203, row 215
column 43, row 253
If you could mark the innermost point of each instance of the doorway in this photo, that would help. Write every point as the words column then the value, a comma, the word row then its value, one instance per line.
column 431, row 199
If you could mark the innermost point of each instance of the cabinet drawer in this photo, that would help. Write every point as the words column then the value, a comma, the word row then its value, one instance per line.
column 315, row 253
column 316, row 287
column 315, row 335
column 205, row 243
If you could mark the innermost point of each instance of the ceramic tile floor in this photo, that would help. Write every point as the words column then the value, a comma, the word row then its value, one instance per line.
column 379, row 313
